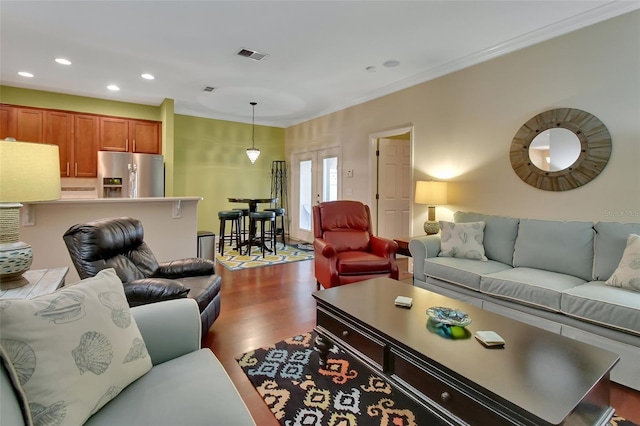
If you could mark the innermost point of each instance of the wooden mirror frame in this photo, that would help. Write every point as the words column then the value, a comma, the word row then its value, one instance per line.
column 595, row 149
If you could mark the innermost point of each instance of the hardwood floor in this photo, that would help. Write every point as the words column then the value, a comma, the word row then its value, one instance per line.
column 264, row 305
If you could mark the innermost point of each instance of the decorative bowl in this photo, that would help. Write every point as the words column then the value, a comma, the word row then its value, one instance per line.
column 448, row 316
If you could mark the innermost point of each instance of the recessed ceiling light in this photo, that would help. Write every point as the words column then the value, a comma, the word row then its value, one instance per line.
column 371, row 69
column 63, row 61
column 147, row 76
column 113, row 87
column 391, row 63
column 25, row 74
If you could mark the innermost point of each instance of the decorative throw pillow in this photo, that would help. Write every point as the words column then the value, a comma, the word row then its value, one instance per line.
column 463, row 240
column 74, row 350
column 627, row 275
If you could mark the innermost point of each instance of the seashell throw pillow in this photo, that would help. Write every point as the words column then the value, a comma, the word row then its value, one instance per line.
column 73, row 350
column 463, row 240
column 627, row 274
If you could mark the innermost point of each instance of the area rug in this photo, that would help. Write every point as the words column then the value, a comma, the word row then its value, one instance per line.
column 304, row 246
column 232, row 260
column 345, row 392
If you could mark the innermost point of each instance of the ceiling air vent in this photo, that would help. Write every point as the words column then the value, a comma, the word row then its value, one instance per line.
column 252, row 54
column 208, row 89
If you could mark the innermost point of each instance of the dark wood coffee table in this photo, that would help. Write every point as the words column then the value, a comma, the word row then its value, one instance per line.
column 538, row 378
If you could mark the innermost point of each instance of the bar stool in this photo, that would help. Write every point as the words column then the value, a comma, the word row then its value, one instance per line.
column 280, row 230
column 262, row 218
column 234, row 216
column 244, row 222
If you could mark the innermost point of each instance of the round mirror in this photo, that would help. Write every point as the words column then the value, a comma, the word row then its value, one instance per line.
column 554, row 149
column 560, row 149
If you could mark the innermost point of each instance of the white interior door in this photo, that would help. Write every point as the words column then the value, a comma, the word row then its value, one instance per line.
column 394, row 188
column 315, row 179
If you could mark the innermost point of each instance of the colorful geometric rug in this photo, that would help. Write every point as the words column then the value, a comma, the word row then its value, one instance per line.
column 345, row 392
column 233, row 261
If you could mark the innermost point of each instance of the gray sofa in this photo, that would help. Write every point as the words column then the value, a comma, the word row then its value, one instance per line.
column 549, row 274
column 186, row 385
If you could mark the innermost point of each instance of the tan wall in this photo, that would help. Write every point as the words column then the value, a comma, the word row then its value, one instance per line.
column 464, row 124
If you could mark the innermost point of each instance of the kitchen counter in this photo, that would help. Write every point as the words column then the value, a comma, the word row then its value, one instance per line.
column 170, row 226
column 118, row 200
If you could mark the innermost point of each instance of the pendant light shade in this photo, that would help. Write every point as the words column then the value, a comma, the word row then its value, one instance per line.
column 253, row 153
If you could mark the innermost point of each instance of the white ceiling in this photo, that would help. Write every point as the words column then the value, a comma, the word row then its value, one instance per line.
column 318, row 50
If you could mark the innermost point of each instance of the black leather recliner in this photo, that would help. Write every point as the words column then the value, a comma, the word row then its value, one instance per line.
column 118, row 243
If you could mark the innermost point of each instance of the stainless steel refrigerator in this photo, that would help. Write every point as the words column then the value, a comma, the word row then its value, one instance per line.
column 128, row 175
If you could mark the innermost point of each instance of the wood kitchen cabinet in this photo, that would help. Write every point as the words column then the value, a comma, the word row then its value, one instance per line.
column 79, row 136
column 124, row 135
column 6, row 124
column 23, row 124
column 59, row 131
column 86, row 141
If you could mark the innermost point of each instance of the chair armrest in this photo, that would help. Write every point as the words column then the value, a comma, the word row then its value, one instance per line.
column 182, row 268
column 169, row 329
column 325, row 248
column 151, row 290
column 383, row 247
column 422, row 248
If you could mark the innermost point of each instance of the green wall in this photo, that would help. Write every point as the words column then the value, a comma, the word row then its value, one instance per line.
column 38, row 98
column 210, row 161
column 203, row 157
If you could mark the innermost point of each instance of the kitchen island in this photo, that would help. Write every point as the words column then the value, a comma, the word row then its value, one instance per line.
column 170, row 226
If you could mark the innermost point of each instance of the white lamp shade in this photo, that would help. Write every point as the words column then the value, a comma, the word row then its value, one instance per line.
column 29, row 172
column 430, row 192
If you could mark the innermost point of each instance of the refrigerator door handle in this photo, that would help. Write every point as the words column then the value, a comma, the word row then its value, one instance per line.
column 133, row 180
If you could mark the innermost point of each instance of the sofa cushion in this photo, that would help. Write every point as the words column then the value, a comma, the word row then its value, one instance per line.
column 462, row 240
column 499, row 234
column 73, row 350
column 557, row 246
column 610, row 242
column 193, row 389
column 464, row 272
column 627, row 275
column 608, row 306
column 534, row 287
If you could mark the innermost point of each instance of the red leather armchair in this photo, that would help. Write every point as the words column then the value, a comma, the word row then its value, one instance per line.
column 346, row 251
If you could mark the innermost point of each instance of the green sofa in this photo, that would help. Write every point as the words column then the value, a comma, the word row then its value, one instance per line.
column 187, row 385
column 550, row 274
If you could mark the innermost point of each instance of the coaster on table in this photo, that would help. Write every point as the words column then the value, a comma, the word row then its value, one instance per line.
column 490, row 339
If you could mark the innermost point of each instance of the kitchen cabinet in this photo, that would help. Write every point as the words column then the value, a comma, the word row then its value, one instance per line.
column 59, row 131
column 23, row 124
column 7, row 121
column 124, row 135
column 86, row 141
column 79, row 136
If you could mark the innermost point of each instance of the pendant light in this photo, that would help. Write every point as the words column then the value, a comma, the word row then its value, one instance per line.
column 253, row 153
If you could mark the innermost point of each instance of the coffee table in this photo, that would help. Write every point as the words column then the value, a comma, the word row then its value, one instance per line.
column 537, row 378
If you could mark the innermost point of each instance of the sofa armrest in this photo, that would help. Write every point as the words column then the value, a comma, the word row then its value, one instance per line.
column 169, row 329
column 422, row 248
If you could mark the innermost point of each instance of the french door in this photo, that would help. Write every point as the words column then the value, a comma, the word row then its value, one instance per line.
column 316, row 178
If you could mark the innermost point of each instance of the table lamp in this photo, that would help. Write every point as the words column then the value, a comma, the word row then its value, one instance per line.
column 28, row 172
column 431, row 193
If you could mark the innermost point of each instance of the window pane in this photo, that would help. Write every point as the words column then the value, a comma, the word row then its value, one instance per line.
column 304, row 208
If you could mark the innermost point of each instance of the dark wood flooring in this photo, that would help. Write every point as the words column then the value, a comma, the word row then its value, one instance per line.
column 265, row 305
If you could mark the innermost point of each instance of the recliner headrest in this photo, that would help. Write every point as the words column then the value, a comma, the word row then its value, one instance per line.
column 105, row 238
